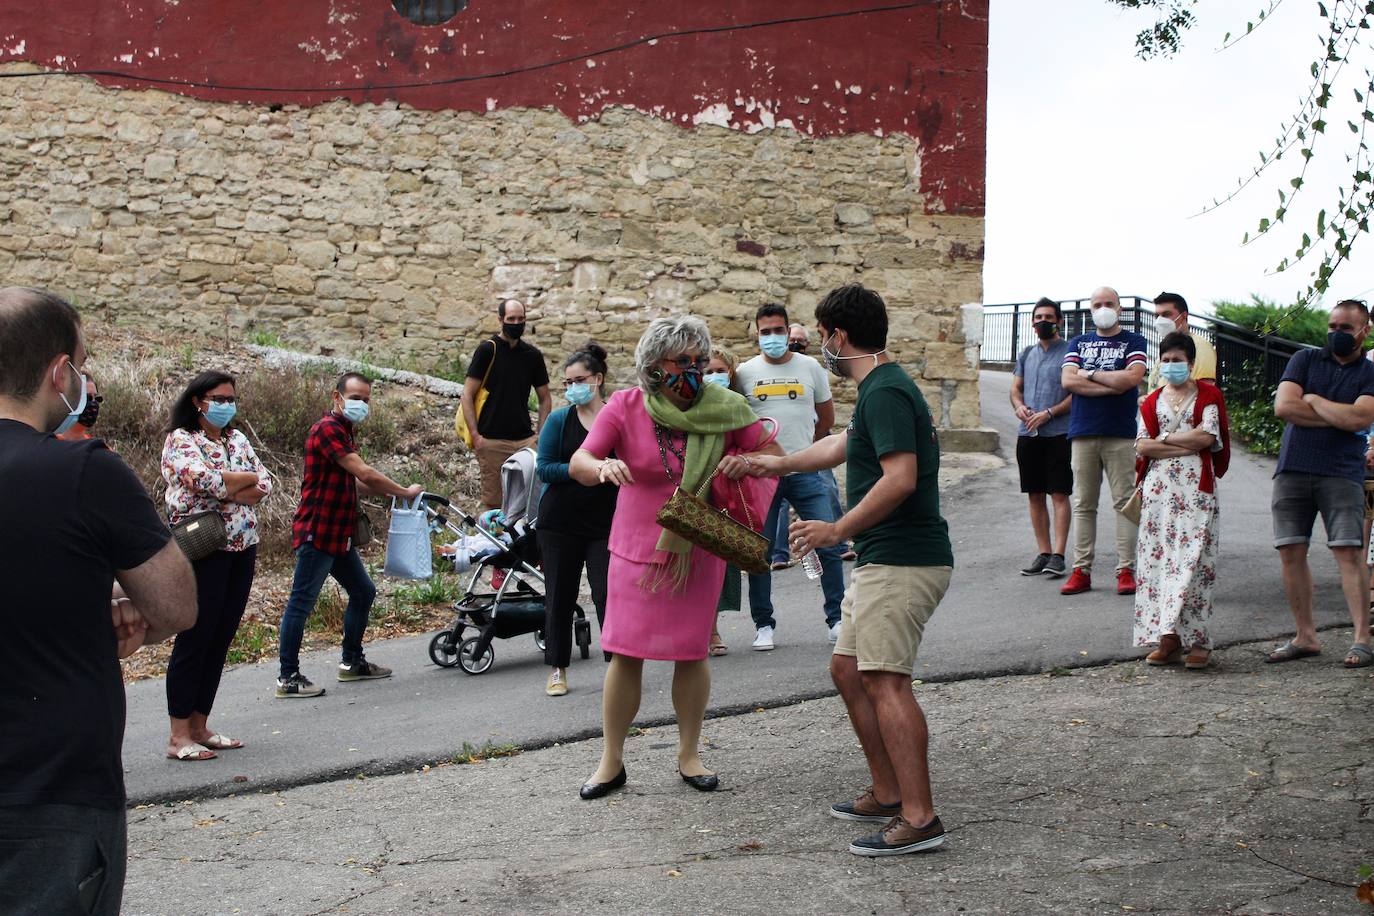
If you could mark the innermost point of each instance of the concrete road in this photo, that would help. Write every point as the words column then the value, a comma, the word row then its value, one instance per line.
column 992, row 621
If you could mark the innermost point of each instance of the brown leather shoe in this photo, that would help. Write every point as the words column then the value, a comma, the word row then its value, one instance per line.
column 866, row 808
column 1170, row 651
column 1197, row 659
column 899, row 837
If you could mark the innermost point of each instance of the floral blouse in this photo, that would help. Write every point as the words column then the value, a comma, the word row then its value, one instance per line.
column 193, row 466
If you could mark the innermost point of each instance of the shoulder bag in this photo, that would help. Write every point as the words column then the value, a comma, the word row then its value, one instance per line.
column 460, row 423
column 691, row 517
column 201, row 534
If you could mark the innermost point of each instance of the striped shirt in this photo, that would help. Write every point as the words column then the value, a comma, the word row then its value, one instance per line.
column 1112, row 414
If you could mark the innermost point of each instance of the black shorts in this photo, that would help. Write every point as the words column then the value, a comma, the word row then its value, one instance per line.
column 1046, row 464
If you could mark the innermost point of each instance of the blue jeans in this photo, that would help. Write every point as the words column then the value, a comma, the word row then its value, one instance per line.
column 809, row 495
column 779, row 551
column 828, row 478
column 312, row 568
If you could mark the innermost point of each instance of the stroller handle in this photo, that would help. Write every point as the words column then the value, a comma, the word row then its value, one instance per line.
column 426, row 496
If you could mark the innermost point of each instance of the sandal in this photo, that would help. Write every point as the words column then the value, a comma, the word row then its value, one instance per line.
column 192, row 752
column 718, row 648
column 222, row 743
column 1197, row 658
column 1170, row 651
column 1291, row 650
column 1362, row 654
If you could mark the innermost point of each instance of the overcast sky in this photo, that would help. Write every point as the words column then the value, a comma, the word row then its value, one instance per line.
column 1098, row 162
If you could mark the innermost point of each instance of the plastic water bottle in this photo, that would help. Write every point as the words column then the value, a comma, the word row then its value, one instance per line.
column 811, row 564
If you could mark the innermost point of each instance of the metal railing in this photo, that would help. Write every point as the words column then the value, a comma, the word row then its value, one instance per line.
column 1246, row 359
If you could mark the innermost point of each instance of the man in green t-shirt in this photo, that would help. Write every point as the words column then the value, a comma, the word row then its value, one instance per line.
column 892, row 461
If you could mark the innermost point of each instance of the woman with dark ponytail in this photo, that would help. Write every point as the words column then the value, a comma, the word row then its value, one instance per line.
column 574, row 521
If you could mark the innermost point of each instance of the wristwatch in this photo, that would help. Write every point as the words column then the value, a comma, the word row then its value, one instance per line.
column 1089, row 374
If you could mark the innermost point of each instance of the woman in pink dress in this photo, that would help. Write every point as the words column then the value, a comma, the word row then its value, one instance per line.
column 662, row 591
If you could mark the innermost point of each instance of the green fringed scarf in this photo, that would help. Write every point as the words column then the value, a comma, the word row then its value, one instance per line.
column 715, row 412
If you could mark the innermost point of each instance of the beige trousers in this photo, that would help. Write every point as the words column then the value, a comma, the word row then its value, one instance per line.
column 1091, row 456
column 490, row 456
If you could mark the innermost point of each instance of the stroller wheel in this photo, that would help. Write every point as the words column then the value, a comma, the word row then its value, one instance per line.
column 443, row 649
column 539, row 640
column 472, row 663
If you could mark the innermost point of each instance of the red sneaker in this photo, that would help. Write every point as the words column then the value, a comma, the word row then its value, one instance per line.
column 497, row 577
column 1125, row 582
column 1080, row 581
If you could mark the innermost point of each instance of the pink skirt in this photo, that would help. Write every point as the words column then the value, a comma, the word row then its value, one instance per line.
column 663, row 625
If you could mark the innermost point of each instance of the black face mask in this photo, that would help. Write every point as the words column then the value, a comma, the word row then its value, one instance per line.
column 1341, row 343
column 514, row 331
column 1045, row 329
column 797, row 346
column 89, row 415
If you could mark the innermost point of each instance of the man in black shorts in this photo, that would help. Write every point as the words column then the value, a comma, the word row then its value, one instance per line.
column 73, row 520
column 1042, row 443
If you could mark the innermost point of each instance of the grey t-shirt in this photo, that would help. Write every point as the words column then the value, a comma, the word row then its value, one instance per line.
column 788, row 393
column 1041, row 372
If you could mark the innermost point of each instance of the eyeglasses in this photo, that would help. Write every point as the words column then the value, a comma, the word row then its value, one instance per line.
column 685, row 362
column 581, row 379
column 96, row 399
column 221, row 398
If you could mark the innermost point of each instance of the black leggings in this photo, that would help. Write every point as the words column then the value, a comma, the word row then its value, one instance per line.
column 563, row 557
column 223, row 581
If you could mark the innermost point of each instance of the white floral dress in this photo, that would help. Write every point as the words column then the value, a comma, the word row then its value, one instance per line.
column 1176, row 560
column 193, row 466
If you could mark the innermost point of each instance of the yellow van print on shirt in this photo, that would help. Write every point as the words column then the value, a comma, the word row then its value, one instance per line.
column 778, row 388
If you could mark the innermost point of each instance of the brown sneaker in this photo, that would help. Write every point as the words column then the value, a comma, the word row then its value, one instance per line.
column 866, row 808
column 900, row 837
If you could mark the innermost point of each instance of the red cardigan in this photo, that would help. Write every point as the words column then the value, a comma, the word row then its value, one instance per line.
column 1214, row 464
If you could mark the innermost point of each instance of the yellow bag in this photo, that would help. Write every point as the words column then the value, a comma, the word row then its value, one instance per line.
column 460, row 423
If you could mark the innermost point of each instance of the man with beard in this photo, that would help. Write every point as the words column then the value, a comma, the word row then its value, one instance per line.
column 70, row 513
column 892, row 463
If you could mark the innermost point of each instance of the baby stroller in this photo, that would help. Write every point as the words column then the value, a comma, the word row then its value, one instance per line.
column 505, row 543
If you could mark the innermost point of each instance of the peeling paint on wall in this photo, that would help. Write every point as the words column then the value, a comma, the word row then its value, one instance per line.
column 920, row 71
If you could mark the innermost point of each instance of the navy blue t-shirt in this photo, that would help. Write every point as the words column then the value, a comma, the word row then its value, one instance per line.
column 1324, row 450
column 1112, row 414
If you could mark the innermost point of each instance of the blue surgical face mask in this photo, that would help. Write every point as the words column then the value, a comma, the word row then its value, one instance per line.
column 355, row 410
column 718, row 378
column 579, row 394
column 773, row 345
column 73, row 413
column 1174, row 373
column 220, row 415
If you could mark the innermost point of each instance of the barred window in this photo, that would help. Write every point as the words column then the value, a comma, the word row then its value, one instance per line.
column 429, row 12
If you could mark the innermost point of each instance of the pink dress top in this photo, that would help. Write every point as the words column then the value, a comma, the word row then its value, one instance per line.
column 667, row 625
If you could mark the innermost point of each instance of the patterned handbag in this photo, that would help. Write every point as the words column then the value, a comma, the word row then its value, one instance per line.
column 691, row 517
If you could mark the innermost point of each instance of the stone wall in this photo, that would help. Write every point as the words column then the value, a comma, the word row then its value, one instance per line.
column 388, row 233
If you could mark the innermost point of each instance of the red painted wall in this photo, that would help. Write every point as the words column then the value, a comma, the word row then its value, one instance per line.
column 920, row 70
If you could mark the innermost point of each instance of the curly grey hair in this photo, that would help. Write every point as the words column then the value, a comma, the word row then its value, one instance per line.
column 668, row 337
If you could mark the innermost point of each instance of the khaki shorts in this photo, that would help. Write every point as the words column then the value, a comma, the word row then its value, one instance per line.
column 885, row 612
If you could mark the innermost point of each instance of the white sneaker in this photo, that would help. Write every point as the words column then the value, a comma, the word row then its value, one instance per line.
column 835, row 633
column 764, row 641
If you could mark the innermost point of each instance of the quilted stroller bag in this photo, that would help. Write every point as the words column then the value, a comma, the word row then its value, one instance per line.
column 408, row 552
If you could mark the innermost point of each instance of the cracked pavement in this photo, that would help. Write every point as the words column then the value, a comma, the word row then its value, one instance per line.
column 1243, row 789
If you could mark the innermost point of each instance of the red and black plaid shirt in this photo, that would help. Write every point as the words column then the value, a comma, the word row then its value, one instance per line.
column 328, row 512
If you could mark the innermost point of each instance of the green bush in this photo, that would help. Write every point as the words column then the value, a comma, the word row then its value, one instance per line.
column 1250, row 407
column 1263, row 316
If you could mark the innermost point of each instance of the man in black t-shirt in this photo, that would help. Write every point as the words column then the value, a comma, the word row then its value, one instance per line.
column 73, row 519
column 507, row 368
